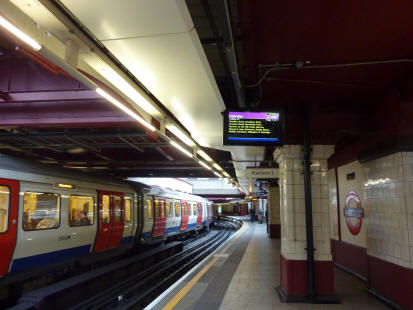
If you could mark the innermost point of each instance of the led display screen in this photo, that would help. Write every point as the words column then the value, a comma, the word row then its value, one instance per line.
column 253, row 128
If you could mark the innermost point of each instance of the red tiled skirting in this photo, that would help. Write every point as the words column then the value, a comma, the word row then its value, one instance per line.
column 350, row 256
column 391, row 281
column 386, row 279
column 275, row 230
column 294, row 277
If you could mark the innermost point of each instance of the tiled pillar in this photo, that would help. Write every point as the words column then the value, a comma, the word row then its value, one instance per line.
column 274, row 224
column 388, row 196
column 293, row 229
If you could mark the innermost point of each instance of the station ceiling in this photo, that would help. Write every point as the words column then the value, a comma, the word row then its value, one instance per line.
column 340, row 59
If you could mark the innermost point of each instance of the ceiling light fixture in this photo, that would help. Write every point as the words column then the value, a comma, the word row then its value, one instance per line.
column 218, row 167
column 124, row 108
column 176, row 145
column 20, row 34
column 204, row 164
column 204, row 155
column 120, row 83
column 182, row 136
column 217, row 174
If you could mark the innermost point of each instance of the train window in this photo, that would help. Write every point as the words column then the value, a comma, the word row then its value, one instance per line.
column 177, row 209
column 169, row 209
column 149, row 202
column 162, row 207
column 4, row 208
column 118, row 209
column 105, row 212
column 128, row 213
column 193, row 209
column 80, row 211
column 41, row 211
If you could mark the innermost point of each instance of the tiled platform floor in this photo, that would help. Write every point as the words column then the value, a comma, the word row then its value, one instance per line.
column 252, row 286
column 243, row 275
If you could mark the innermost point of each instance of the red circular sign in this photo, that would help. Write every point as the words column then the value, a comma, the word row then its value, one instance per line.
column 353, row 212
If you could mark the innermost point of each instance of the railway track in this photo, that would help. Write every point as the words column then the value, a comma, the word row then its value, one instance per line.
column 127, row 284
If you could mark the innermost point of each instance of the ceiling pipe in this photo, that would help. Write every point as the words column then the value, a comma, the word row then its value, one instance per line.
column 94, row 145
column 301, row 65
column 226, row 47
column 49, row 135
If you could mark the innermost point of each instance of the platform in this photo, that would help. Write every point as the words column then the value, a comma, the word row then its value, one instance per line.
column 243, row 274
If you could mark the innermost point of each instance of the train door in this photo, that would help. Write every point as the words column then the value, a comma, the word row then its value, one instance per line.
column 199, row 209
column 118, row 214
column 111, row 220
column 160, row 218
column 9, row 202
column 184, row 215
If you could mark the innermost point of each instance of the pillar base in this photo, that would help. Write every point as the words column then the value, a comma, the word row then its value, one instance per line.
column 294, row 281
column 284, row 297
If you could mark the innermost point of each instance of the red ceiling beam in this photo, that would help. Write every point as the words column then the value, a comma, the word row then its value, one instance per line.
column 63, row 114
column 53, row 95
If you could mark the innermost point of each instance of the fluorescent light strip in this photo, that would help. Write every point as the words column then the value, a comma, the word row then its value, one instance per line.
column 204, row 155
column 127, row 89
column 205, row 165
column 217, row 174
column 124, row 108
column 183, row 137
column 176, row 145
column 20, row 34
column 218, row 167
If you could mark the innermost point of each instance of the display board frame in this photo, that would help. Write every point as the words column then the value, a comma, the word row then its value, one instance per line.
column 280, row 125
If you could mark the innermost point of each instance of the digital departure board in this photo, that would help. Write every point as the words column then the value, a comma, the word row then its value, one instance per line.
column 253, row 128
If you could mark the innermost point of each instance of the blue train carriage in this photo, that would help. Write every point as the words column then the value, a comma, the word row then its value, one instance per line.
column 50, row 214
column 169, row 214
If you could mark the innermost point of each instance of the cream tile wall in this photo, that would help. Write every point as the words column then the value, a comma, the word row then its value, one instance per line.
column 332, row 199
column 388, row 194
column 274, row 205
column 292, row 206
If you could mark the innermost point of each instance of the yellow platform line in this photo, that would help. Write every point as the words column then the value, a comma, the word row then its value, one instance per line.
column 181, row 294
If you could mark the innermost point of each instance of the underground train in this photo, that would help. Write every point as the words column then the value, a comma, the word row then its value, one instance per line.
column 49, row 214
column 233, row 208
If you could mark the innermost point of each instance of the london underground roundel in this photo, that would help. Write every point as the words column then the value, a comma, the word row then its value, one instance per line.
column 353, row 212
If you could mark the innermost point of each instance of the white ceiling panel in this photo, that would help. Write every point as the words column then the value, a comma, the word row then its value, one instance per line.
column 170, row 67
column 111, row 19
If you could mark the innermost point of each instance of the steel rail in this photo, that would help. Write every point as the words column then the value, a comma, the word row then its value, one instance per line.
column 122, row 294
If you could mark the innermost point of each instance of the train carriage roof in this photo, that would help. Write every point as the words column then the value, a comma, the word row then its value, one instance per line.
column 166, row 192
column 14, row 164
